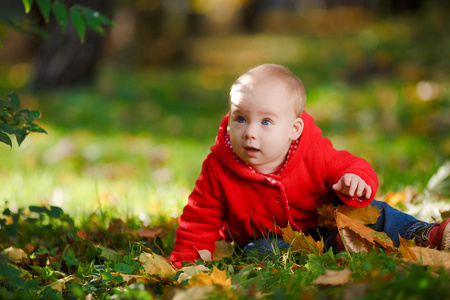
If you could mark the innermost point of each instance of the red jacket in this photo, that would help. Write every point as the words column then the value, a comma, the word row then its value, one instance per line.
column 231, row 201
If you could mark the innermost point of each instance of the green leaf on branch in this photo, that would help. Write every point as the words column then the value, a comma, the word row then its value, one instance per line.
column 45, row 8
column 4, row 138
column 78, row 22
column 60, row 12
column 27, row 4
column 7, row 128
column 93, row 20
column 15, row 102
column 21, row 134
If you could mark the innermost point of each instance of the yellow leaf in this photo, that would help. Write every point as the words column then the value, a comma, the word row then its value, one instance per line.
column 156, row 264
column 357, row 237
column 14, row 254
column 205, row 255
column 81, row 233
column 332, row 277
column 132, row 278
column 223, row 249
column 60, row 284
column 299, row 241
column 430, row 257
column 405, row 249
column 195, row 292
column 217, row 277
column 190, row 271
column 220, row 278
column 365, row 215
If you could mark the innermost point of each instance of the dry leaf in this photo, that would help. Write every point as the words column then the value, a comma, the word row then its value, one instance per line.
column 430, row 257
column 195, row 292
column 149, row 232
column 332, row 277
column 132, row 278
column 216, row 277
column 365, row 215
column 205, row 255
column 60, row 284
column 223, row 249
column 14, row 254
column 81, row 234
column 300, row 241
column 353, row 235
column 155, row 264
column 191, row 271
column 405, row 249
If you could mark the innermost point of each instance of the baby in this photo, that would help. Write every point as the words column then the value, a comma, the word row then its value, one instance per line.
column 270, row 166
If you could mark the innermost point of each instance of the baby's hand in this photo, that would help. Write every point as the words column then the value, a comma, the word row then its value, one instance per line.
column 353, row 186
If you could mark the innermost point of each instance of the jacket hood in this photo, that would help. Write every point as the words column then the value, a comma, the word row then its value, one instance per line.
column 311, row 133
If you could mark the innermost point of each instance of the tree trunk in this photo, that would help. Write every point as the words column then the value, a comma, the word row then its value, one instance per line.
column 62, row 60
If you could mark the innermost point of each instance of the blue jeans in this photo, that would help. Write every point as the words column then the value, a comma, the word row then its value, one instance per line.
column 392, row 221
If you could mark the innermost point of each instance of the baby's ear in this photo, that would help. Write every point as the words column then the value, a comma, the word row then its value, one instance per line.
column 297, row 129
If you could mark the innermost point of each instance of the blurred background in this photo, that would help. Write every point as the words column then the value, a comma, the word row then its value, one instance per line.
column 131, row 115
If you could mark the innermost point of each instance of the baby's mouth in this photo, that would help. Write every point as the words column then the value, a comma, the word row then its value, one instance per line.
column 251, row 151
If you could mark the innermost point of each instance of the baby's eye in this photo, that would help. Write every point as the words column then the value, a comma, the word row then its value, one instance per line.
column 240, row 120
column 266, row 122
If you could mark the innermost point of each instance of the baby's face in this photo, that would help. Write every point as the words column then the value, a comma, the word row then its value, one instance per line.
column 262, row 125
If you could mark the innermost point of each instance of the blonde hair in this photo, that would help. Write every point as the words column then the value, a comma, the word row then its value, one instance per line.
column 292, row 83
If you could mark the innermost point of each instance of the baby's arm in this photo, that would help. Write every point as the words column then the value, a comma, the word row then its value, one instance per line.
column 354, row 186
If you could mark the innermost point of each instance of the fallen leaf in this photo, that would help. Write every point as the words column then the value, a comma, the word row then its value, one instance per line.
column 334, row 278
column 404, row 249
column 155, row 264
column 220, row 278
column 81, row 234
column 357, row 237
column 205, row 255
column 60, row 284
column 216, row 277
column 223, row 249
column 14, row 254
column 365, row 215
column 299, row 241
column 195, row 292
column 149, row 232
column 131, row 278
column 430, row 257
column 191, row 271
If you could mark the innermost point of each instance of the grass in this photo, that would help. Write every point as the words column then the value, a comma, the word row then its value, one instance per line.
column 130, row 147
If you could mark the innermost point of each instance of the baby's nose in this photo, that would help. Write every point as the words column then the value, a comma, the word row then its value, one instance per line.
column 250, row 132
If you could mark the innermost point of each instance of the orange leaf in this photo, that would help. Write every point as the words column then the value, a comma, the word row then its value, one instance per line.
column 357, row 237
column 223, row 249
column 299, row 241
column 217, row 277
column 155, row 264
column 429, row 257
column 405, row 249
column 149, row 232
column 14, row 254
column 365, row 215
column 332, row 277
column 81, row 234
